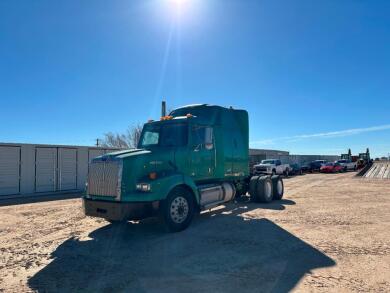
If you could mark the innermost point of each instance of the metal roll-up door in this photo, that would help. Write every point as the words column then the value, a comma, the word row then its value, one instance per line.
column 45, row 169
column 67, row 169
column 9, row 170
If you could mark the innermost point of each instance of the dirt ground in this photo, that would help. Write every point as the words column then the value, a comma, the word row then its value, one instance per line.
column 329, row 233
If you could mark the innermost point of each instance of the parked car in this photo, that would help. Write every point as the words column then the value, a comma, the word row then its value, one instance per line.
column 347, row 164
column 313, row 166
column 332, row 168
column 296, row 169
column 271, row 167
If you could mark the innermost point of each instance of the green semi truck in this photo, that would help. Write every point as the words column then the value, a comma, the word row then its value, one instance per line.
column 193, row 159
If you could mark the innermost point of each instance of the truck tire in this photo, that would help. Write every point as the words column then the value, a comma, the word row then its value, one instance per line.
column 277, row 187
column 177, row 210
column 253, row 185
column 286, row 173
column 263, row 190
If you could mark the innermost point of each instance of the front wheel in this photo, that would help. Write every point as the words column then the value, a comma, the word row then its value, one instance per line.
column 177, row 210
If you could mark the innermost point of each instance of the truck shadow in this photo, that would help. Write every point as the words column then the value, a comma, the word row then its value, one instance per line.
column 278, row 205
column 223, row 251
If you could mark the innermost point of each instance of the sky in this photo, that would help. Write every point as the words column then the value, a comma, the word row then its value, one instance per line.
column 314, row 76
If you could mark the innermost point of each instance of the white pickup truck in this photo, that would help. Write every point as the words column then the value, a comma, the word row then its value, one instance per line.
column 271, row 167
column 347, row 164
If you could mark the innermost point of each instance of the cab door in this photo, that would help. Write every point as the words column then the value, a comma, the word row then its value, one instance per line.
column 202, row 152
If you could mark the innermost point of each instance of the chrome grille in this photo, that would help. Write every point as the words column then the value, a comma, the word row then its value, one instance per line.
column 104, row 178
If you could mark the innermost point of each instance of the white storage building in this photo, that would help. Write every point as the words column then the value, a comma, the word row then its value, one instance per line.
column 32, row 169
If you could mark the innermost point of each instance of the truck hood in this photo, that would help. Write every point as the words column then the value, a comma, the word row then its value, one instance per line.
column 122, row 154
column 264, row 165
column 137, row 164
column 142, row 161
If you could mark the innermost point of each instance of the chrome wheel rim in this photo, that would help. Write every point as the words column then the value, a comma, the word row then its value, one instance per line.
column 179, row 210
column 268, row 189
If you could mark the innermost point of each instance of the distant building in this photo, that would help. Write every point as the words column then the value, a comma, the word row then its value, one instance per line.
column 256, row 155
column 32, row 169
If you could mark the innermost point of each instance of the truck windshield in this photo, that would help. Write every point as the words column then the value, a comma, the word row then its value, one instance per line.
column 268, row 162
column 167, row 135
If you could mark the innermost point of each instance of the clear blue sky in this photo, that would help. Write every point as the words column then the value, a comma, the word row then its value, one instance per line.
column 314, row 75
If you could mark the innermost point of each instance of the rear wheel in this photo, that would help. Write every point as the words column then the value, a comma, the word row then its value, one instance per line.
column 253, row 185
column 277, row 187
column 263, row 191
column 177, row 210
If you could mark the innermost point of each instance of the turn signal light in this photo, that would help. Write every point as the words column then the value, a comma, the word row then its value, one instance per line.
column 189, row 115
column 153, row 175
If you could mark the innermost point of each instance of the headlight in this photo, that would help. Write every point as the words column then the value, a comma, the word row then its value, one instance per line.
column 143, row 186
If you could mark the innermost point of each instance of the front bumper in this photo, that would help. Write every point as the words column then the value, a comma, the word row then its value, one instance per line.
column 118, row 211
column 260, row 172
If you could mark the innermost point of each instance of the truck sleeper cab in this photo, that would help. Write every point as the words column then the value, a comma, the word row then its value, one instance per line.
column 194, row 159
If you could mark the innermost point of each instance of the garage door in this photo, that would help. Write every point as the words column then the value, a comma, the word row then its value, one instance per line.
column 45, row 169
column 67, row 169
column 9, row 170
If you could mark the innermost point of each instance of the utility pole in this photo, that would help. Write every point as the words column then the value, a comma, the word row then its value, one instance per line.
column 97, row 142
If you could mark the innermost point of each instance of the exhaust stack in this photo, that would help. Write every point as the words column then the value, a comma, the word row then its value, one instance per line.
column 163, row 109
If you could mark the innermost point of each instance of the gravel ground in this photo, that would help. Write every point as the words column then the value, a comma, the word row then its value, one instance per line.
column 331, row 232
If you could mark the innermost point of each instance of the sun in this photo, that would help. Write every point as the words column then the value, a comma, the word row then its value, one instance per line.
column 178, row 4
column 183, row 12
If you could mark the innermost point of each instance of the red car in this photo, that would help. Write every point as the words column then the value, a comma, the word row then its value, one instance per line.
column 331, row 168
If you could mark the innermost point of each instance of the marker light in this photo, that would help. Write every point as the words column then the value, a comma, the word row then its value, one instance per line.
column 143, row 187
column 163, row 118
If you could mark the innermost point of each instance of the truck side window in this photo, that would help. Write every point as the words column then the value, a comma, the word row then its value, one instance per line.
column 203, row 137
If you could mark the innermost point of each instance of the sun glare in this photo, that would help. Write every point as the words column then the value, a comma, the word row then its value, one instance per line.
column 179, row 5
